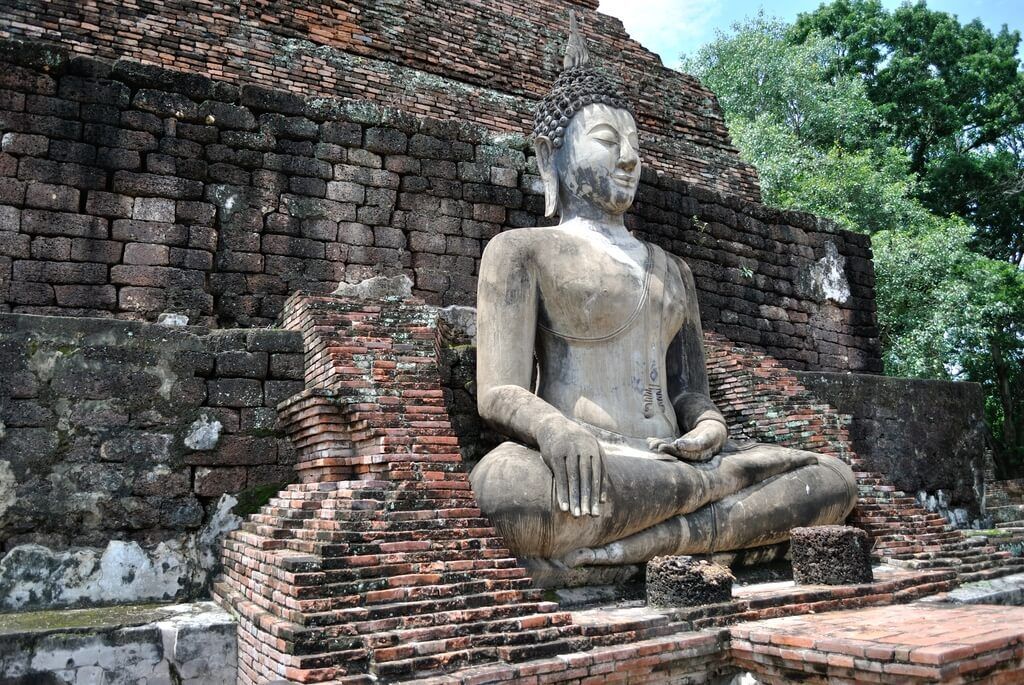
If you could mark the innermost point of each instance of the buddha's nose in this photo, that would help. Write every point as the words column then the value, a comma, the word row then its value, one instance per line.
column 629, row 156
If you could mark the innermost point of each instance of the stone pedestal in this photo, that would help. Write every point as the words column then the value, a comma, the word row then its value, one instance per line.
column 831, row 555
column 681, row 581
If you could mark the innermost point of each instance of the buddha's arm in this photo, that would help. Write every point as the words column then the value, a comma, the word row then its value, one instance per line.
column 704, row 428
column 507, row 308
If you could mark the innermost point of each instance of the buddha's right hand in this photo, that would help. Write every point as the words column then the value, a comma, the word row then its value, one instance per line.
column 577, row 466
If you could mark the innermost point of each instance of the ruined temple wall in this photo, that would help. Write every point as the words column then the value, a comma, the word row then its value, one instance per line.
column 117, row 440
column 483, row 62
column 127, row 191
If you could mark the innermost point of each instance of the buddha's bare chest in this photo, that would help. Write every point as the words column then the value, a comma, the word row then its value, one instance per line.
column 592, row 291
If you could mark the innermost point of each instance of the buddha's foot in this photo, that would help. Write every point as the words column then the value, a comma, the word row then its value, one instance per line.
column 611, row 554
column 667, row 537
column 741, row 470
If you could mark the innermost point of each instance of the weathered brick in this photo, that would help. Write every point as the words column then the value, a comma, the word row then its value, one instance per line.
column 51, row 249
column 90, row 250
column 146, row 254
column 86, row 296
column 15, row 245
column 235, row 393
column 100, row 91
column 215, row 481
column 25, row 144
column 141, row 299
column 236, row 364
column 154, row 209
column 149, row 232
column 158, row 186
column 39, row 222
column 385, row 141
column 60, row 272
column 10, row 219
column 57, row 198
column 118, row 159
column 278, row 391
column 342, row 132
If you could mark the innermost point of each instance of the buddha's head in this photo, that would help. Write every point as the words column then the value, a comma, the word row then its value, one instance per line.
column 586, row 139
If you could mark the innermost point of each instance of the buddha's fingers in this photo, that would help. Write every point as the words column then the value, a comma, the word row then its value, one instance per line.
column 572, row 469
column 558, row 473
column 597, row 493
column 586, row 483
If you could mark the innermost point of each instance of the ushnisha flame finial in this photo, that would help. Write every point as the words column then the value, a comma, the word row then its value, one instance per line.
column 580, row 84
column 576, row 52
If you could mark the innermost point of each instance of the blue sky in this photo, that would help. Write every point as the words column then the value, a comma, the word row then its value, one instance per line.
column 673, row 27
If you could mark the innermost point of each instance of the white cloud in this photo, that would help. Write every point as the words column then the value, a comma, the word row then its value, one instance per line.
column 667, row 27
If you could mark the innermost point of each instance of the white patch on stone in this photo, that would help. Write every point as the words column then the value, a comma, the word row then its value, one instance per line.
column 461, row 319
column 222, row 521
column 172, row 319
column 376, row 288
column 203, row 434
column 42, row 363
column 200, row 640
column 162, row 370
column 829, row 275
column 7, row 485
column 3, row 430
column 33, row 575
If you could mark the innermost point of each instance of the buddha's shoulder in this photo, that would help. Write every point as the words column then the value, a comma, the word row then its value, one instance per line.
column 523, row 241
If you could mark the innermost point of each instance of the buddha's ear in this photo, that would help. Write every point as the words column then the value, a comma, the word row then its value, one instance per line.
column 548, row 173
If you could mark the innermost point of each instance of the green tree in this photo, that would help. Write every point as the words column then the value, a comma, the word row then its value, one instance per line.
column 953, row 95
column 802, row 113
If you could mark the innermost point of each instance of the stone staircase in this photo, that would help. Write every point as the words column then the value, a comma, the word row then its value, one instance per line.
column 378, row 565
column 763, row 401
column 908, row 536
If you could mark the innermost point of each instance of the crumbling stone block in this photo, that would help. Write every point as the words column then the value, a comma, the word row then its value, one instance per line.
column 831, row 555
column 679, row 581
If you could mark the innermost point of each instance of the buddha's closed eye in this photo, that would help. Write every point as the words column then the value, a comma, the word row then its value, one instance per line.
column 605, row 134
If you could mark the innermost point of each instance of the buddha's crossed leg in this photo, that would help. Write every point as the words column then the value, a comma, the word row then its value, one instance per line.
column 737, row 500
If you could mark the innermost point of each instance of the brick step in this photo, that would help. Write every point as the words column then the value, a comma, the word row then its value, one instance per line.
column 408, row 649
column 318, row 601
column 523, row 598
column 427, row 666
column 435, row 665
column 402, row 529
column 527, row 625
column 364, row 573
column 325, row 590
column 489, row 613
column 278, row 521
column 259, row 542
column 1009, row 567
column 335, row 555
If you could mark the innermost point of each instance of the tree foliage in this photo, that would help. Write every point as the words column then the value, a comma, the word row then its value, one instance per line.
column 953, row 96
column 858, row 115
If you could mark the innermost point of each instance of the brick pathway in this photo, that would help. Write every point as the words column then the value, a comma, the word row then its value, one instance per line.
column 914, row 643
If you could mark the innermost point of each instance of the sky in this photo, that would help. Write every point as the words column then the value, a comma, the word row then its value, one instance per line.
column 674, row 27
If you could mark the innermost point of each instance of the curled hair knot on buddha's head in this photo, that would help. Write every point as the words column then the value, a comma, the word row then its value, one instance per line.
column 579, row 85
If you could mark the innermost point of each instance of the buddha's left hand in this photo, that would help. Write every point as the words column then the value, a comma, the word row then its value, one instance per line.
column 701, row 444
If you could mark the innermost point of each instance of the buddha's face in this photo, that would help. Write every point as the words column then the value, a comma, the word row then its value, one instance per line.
column 599, row 161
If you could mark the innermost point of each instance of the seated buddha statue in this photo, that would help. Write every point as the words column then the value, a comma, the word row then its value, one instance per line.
column 590, row 361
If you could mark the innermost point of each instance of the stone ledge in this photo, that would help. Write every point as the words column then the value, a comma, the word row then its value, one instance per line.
column 189, row 644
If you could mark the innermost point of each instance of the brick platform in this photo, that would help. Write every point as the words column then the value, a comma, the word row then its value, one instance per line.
column 893, row 644
column 378, row 564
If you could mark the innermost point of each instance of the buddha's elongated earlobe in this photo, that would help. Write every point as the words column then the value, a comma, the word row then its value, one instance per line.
column 548, row 173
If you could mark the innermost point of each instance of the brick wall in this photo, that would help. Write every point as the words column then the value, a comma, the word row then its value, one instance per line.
column 477, row 61
column 126, row 191
column 131, row 431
